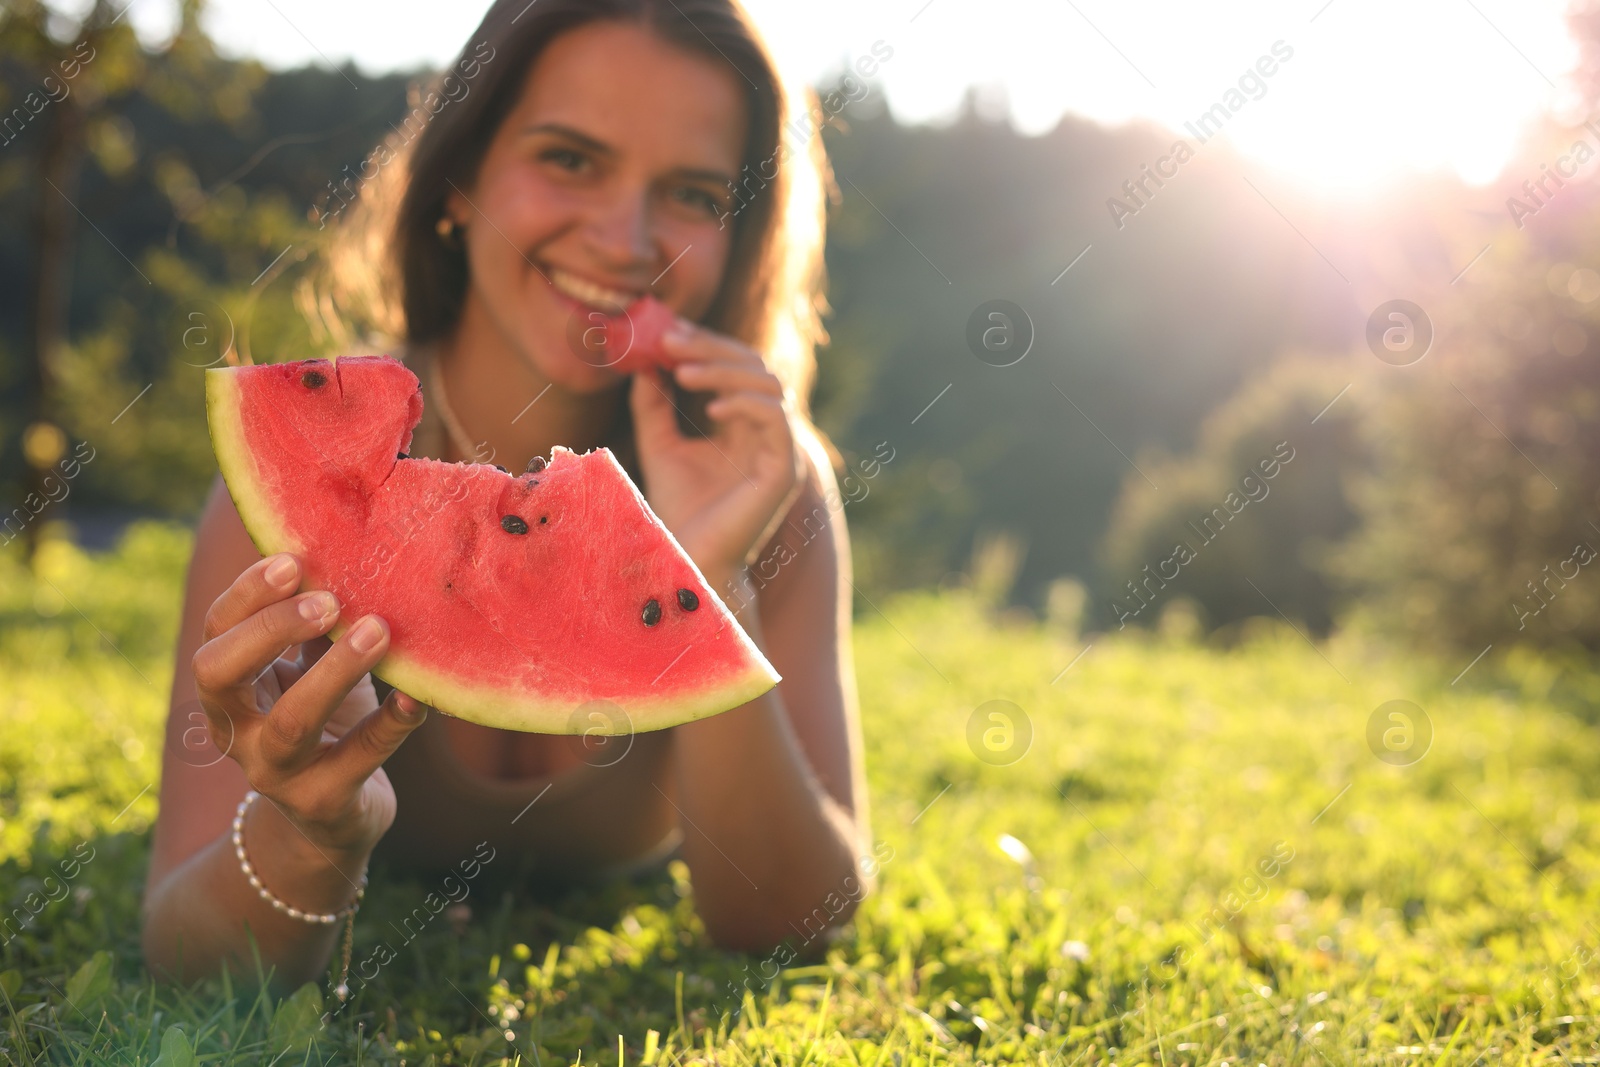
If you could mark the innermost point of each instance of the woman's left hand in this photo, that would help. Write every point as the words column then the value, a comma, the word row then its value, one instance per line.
column 717, row 494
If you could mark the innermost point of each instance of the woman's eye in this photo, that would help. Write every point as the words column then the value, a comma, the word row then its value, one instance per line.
column 565, row 158
column 698, row 198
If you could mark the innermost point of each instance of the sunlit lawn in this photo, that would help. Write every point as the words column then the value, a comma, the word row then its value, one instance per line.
column 1221, row 869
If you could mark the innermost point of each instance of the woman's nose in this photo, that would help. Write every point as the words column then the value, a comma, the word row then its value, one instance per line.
column 618, row 233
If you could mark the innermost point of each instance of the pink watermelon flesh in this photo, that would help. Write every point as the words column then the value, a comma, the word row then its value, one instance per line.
column 551, row 602
column 637, row 333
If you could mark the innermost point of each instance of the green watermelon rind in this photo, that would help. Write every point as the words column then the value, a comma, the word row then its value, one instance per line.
column 512, row 711
column 505, row 709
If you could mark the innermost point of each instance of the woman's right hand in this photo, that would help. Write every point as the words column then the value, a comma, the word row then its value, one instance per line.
column 308, row 732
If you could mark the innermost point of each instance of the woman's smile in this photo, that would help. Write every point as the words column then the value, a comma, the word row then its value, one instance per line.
column 587, row 295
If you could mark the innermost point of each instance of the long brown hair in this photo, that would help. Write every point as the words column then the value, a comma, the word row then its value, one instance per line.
column 389, row 278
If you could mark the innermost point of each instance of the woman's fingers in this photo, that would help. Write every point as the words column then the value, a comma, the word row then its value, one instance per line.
column 263, row 583
column 696, row 343
column 729, row 378
column 232, row 660
column 372, row 740
column 292, row 732
column 766, row 412
column 652, row 407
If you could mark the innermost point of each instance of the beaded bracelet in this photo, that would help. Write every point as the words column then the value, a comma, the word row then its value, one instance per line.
column 325, row 919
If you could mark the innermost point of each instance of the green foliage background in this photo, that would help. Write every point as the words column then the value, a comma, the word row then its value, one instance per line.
column 1486, row 480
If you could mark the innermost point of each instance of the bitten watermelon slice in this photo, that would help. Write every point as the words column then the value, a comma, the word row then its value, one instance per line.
column 637, row 333
column 551, row 602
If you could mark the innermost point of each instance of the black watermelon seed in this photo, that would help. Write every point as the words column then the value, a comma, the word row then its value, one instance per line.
column 313, row 379
column 652, row 612
column 401, row 455
column 535, row 465
column 687, row 600
column 543, row 519
column 501, row 469
column 513, row 525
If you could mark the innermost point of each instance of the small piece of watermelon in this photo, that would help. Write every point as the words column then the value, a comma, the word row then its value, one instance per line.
column 637, row 333
column 551, row 602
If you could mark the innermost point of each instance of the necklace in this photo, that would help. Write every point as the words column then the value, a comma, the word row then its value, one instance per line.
column 458, row 435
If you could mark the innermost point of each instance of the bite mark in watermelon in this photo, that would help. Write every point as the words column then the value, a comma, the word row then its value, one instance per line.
column 637, row 333
column 528, row 603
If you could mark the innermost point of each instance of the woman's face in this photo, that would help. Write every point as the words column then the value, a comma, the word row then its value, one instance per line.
column 606, row 181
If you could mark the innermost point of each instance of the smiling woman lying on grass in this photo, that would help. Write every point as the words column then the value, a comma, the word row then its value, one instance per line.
column 581, row 154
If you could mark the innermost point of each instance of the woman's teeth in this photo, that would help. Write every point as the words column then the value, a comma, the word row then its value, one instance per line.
column 587, row 292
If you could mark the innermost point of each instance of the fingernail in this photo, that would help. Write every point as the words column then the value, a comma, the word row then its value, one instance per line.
column 318, row 606
column 679, row 330
column 280, row 571
column 366, row 635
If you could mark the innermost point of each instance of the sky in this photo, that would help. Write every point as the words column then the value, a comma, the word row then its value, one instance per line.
column 1371, row 91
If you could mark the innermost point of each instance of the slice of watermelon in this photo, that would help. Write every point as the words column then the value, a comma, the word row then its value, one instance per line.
column 552, row 602
column 637, row 333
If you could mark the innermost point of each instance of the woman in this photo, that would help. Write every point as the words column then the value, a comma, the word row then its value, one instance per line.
column 582, row 153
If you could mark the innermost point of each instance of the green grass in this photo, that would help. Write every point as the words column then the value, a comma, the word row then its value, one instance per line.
column 1434, row 913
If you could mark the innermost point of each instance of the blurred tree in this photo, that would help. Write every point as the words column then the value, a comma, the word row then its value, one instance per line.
column 65, row 89
column 1240, row 526
column 196, row 177
column 1479, row 523
column 1152, row 327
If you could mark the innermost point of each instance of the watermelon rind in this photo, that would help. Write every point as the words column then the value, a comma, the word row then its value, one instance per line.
column 238, row 465
column 509, row 709
column 521, row 711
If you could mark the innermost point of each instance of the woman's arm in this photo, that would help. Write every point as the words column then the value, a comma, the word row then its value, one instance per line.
column 771, row 795
column 198, row 902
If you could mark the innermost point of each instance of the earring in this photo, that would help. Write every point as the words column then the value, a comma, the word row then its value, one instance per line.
column 446, row 229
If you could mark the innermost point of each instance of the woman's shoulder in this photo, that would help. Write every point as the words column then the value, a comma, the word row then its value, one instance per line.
column 819, row 484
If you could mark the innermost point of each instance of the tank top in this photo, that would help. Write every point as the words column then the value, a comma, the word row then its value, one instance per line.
column 605, row 818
